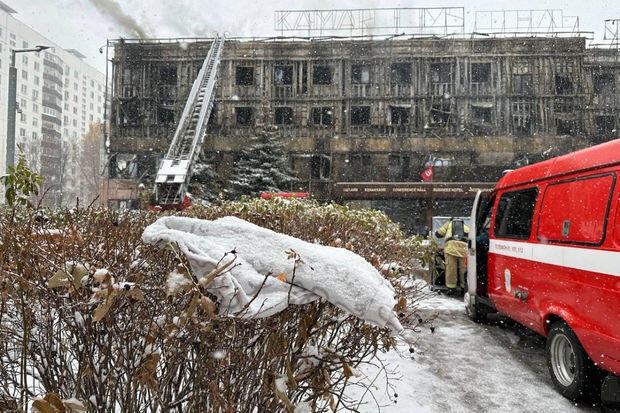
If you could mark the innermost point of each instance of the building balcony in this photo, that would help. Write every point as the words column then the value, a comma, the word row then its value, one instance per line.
column 400, row 89
column 480, row 88
column 282, row 92
column 441, row 89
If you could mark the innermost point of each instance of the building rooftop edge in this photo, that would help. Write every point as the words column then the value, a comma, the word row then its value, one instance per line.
column 402, row 36
column 6, row 8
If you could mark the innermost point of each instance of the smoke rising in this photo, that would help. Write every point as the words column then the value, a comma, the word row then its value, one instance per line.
column 127, row 23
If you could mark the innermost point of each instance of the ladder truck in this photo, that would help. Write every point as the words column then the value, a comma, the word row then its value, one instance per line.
column 175, row 170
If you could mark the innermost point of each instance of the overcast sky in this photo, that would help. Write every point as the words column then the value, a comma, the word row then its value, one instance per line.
column 85, row 25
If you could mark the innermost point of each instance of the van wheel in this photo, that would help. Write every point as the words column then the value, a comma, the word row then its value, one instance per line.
column 475, row 311
column 571, row 369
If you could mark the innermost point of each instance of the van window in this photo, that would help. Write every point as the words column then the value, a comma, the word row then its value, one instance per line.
column 576, row 211
column 514, row 214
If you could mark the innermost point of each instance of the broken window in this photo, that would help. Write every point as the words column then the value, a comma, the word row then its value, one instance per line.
column 130, row 82
column 399, row 115
column 320, row 167
column 481, row 114
column 401, row 73
column 283, row 75
column 440, row 114
column 165, row 116
column 168, row 75
column 283, row 116
column 322, row 116
column 398, row 167
column 604, row 83
column 522, row 118
column 244, row 75
column 605, row 125
column 440, row 72
column 481, row 72
column 244, row 116
column 360, row 74
column 522, row 84
column 130, row 112
column 322, row 75
column 360, row 115
column 565, row 127
column 360, row 168
column 563, row 85
column 130, row 76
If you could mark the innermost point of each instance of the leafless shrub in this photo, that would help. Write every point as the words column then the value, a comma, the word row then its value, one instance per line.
column 86, row 318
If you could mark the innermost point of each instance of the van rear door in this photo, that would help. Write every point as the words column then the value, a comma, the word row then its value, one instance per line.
column 471, row 247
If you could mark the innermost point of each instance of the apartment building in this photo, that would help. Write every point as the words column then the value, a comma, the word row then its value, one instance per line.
column 59, row 99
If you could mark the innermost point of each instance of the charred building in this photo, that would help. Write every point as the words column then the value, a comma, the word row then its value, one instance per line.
column 362, row 118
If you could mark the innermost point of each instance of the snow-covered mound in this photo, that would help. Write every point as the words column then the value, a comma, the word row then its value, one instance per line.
column 272, row 270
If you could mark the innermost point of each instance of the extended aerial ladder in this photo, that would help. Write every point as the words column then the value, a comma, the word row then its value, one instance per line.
column 175, row 170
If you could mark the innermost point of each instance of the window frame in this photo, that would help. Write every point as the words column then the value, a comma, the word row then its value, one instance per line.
column 510, row 202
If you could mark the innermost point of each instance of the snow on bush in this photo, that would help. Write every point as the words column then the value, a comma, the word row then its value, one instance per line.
column 104, row 321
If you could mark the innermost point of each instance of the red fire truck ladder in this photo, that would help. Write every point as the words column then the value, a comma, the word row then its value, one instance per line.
column 176, row 168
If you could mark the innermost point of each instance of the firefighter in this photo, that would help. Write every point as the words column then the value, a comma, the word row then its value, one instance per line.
column 455, row 251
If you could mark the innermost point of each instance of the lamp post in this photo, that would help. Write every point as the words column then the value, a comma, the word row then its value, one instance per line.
column 10, row 119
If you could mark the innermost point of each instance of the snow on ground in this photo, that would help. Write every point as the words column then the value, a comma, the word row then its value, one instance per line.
column 461, row 366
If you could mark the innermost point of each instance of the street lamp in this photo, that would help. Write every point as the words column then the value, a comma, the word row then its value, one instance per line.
column 10, row 119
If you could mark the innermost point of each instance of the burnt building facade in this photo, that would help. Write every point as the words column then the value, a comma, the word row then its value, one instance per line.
column 377, row 111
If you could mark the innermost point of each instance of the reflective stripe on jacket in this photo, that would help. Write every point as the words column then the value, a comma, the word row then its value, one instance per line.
column 453, row 247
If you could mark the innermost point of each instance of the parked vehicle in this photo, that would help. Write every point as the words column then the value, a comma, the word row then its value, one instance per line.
column 544, row 249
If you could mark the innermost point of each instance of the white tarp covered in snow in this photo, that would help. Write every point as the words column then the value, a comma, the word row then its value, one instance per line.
column 338, row 275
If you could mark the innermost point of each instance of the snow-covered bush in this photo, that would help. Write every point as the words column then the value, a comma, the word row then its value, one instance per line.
column 89, row 314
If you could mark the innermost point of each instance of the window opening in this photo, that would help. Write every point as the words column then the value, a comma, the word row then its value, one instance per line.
column 283, row 75
column 522, row 84
column 360, row 74
column 398, row 167
column 440, row 114
column 521, row 118
column 165, row 116
column 244, row 75
column 605, row 125
column 603, row 83
column 440, row 73
column 322, row 116
column 563, row 85
column 244, row 116
column 401, row 73
column 168, row 75
column 565, row 127
column 481, row 114
column 481, row 72
column 320, row 167
column 322, row 75
column 360, row 115
column 399, row 115
column 283, row 116
column 514, row 215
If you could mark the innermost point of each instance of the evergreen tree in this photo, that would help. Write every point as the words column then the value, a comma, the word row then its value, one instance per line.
column 262, row 166
column 205, row 183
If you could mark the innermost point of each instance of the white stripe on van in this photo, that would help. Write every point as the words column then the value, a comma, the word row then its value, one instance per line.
column 585, row 259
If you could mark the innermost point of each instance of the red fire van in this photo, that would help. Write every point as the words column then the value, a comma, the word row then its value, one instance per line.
column 544, row 249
